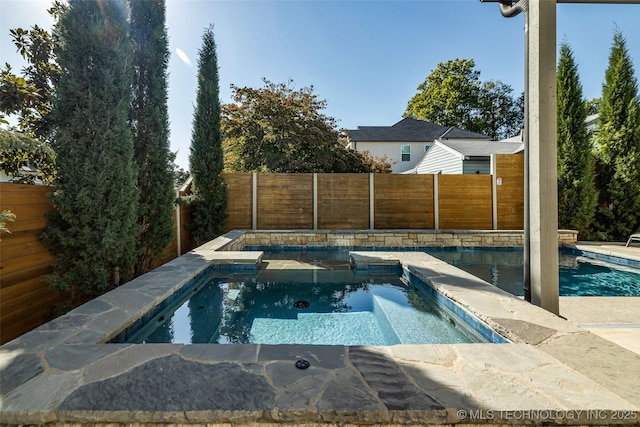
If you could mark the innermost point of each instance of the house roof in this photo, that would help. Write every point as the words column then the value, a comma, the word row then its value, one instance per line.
column 457, row 133
column 592, row 118
column 482, row 148
column 409, row 130
column 516, row 138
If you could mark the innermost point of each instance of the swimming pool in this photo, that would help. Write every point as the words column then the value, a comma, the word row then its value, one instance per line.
column 578, row 275
column 502, row 267
column 331, row 307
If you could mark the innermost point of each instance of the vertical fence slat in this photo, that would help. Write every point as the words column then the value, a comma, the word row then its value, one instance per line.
column 285, row 201
column 510, row 194
column 239, row 201
column 403, row 201
column 343, row 201
column 464, row 202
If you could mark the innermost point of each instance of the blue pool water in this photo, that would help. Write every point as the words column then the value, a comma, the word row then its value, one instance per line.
column 578, row 276
column 502, row 267
column 333, row 307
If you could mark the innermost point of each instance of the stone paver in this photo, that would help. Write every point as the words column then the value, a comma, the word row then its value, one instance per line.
column 605, row 363
column 394, row 388
column 628, row 338
column 74, row 357
column 616, row 319
column 157, row 386
column 23, row 368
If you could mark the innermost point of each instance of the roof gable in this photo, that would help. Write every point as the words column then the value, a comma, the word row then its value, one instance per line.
column 482, row 148
column 409, row 130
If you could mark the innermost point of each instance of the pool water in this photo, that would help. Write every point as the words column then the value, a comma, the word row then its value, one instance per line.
column 502, row 267
column 578, row 276
column 332, row 307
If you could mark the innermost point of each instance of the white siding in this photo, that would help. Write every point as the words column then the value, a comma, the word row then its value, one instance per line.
column 392, row 151
column 471, row 166
column 440, row 160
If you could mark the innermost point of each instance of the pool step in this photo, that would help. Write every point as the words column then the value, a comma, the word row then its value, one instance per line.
column 413, row 326
column 353, row 328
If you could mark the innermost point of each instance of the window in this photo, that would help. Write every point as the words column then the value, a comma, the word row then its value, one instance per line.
column 405, row 150
column 426, row 148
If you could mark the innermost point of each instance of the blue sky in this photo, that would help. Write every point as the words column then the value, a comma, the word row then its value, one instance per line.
column 366, row 58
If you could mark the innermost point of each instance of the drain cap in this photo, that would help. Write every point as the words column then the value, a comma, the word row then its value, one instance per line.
column 302, row 364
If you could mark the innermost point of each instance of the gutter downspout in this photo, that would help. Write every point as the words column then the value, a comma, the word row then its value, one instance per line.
column 508, row 9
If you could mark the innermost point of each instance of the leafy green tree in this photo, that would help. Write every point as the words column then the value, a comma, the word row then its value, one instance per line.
column 29, row 95
column 93, row 230
column 150, row 123
column 278, row 129
column 6, row 216
column 499, row 114
column 577, row 195
column 453, row 95
column 618, row 146
column 592, row 106
column 448, row 96
column 17, row 151
column 180, row 175
column 209, row 201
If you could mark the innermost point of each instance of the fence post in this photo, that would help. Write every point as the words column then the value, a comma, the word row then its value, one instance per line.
column 436, row 211
column 178, row 225
column 494, row 193
column 315, row 201
column 254, row 202
column 372, row 201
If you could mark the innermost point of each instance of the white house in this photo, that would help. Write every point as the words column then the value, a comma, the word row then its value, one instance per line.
column 406, row 142
column 463, row 156
column 592, row 122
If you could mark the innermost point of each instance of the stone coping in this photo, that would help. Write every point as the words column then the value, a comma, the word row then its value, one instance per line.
column 613, row 253
column 553, row 372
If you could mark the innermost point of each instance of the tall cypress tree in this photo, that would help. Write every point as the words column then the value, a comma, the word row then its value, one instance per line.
column 577, row 195
column 206, row 161
column 150, row 124
column 618, row 146
column 92, row 233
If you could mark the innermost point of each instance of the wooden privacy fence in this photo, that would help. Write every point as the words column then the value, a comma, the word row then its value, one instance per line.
column 25, row 299
column 379, row 201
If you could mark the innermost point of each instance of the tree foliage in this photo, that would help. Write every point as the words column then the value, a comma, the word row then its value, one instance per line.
column 92, row 232
column 6, row 216
column 448, row 96
column 592, row 106
column 18, row 151
column 618, row 146
column 499, row 114
column 453, row 95
column 209, row 202
column 276, row 128
column 149, row 121
column 29, row 95
column 577, row 195
column 180, row 175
